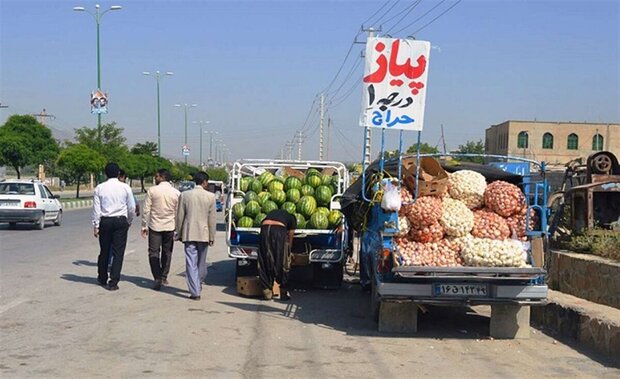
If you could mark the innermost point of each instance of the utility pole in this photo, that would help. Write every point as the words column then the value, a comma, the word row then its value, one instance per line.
column 299, row 139
column 443, row 140
column 43, row 115
column 368, row 131
column 289, row 150
column 329, row 128
column 322, row 116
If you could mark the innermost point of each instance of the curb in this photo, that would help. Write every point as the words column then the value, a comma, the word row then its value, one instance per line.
column 593, row 325
column 81, row 204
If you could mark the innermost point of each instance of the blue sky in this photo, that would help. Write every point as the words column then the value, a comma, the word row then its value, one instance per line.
column 254, row 67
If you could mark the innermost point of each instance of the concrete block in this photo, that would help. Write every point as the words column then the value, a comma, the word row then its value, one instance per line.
column 398, row 317
column 510, row 321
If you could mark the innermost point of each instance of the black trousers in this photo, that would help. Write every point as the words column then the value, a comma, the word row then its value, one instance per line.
column 273, row 256
column 160, row 253
column 112, row 240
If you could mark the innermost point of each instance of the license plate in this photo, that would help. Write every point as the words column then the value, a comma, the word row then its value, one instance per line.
column 8, row 203
column 468, row 290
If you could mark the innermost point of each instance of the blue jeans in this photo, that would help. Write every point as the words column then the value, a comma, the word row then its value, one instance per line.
column 195, row 265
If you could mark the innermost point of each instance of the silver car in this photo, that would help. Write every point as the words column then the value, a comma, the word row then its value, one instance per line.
column 28, row 201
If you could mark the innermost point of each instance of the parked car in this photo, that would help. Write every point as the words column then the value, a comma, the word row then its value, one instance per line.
column 28, row 201
column 186, row 185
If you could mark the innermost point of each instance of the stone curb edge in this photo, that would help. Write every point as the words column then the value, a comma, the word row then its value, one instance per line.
column 81, row 204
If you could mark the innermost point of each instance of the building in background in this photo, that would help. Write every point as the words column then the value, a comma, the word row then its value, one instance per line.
column 552, row 142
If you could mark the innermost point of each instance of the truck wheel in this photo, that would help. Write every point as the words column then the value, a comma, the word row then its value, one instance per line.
column 41, row 222
column 375, row 303
column 58, row 220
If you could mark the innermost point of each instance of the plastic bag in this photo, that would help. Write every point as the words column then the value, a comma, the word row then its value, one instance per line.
column 391, row 198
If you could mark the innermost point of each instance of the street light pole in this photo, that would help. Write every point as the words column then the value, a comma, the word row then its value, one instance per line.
column 158, row 75
column 98, row 16
column 200, row 123
column 185, row 106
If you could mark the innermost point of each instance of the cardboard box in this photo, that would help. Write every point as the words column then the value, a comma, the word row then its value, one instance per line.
column 249, row 286
column 432, row 178
column 289, row 171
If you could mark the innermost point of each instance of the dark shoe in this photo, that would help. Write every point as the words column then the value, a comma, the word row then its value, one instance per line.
column 267, row 294
column 192, row 297
column 112, row 287
column 284, row 295
column 102, row 283
column 164, row 281
column 157, row 285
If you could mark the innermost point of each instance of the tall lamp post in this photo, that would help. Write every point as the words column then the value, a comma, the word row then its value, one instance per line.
column 98, row 16
column 158, row 75
column 211, row 133
column 201, row 123
column 185, row 106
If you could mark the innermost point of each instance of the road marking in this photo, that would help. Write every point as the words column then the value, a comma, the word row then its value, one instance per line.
column 130, row 251
column 12, row 304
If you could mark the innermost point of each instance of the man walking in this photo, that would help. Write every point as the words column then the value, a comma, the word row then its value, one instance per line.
column 158, row 223
column 113, row 210
column 195, row 227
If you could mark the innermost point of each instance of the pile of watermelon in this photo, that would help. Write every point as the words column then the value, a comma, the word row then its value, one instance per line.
column 307, row 199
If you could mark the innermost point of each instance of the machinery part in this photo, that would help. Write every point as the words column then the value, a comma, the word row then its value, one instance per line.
column 601, row 164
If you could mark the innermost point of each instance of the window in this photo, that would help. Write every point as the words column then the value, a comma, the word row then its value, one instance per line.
column 547, row 141
column 597, row 142
column 522, row 140
column 572, row 142
column 42, row 191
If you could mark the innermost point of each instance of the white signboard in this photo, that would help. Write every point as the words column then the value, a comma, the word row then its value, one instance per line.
column 395, row 83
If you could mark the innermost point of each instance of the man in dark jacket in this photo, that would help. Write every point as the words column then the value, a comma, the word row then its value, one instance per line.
column 276, row 237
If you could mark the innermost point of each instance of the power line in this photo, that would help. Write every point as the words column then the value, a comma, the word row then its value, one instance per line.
column 341, row 65
column 441, row 14
column 421, row 17
column 411, row 8
column 376, row 12
column 346, row 79
column 386, row 12
column 346, row 95
column 309, row 112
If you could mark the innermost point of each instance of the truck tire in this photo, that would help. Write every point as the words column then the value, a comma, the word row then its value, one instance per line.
column 41, row 222
column 375, row 303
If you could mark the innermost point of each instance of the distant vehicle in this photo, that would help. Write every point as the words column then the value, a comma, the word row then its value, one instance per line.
column 186, row 185
column 28, row 201
column 218, row 188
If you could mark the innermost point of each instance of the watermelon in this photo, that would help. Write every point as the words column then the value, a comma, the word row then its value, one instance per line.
column 292, row 182
column 322, row 210
column 256, row 186
column 252, row 209
column 278, row 196
column 293, row 195
column 306, row 190
column 289, row 207
column 323, row 195
column 269, row 206
column 238, row 210
column 319, row 221
column 326, row 180
column 313, row 170
column 313, row 180
column 334, row 218
column 265, row 178
column 245, row 222
column 306, row 206
column 275, row 185
column 244, row 185
column 249, row 196
column 301, row 221
column 262, row 197
column 259, row 219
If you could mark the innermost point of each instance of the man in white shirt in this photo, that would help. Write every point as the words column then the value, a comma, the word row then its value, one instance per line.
column 113, row 210
column 160, row 208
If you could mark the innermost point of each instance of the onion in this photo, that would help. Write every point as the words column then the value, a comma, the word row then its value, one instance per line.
column 431, row 233
column 424, row 212
column 488, row 224
column 504, row 198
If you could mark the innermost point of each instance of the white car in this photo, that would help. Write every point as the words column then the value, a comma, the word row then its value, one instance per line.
column 28, row 201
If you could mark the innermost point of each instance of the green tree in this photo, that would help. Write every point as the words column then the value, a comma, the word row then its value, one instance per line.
column 425, row 148
column 80, row 160
column 148, row 147
column 471, row 147
column 112, row 143
column 218, row 173
column 24, row 141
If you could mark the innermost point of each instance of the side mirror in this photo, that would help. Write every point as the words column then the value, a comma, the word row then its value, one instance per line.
column 56, row 196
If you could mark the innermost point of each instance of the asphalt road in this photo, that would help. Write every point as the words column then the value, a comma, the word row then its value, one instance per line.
column 55, row 321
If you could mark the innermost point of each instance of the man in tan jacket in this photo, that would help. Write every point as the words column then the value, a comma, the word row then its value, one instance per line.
column 160, row 208
column 195, row 227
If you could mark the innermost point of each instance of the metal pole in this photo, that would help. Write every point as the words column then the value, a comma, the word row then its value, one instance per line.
column 158, row 119
column 97, row 18
column 368, row 131
column 211, row 147
column 200, row 146
column 185, row 130
column 322, row 115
